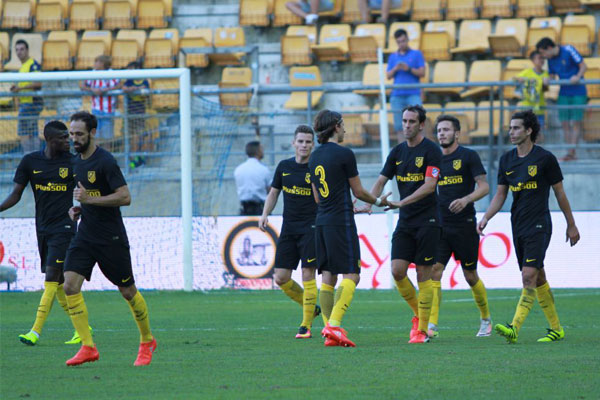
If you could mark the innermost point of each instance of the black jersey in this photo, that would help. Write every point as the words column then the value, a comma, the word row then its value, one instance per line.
column 331, row 165
column 410, row 166
column 457, row 180
column 101, row 176
column 52, row 185
column 299, row 206
column 529, row 179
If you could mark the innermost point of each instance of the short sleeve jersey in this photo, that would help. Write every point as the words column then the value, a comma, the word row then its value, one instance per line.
column 409, row 166
column 457, row 180
column 412, row 58
column 29, row 66
column 529, row 179
column 565, row 65
column 533, row 90
column 299, row 207
column 101, row 176
column 52, row 185
column 137, row 102
column 331, row 165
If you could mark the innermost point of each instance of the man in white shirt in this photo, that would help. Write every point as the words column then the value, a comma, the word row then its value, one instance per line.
column 252, row 179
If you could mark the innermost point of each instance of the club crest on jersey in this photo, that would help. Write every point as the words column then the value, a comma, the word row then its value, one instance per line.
column 419, row 161
column 307, row 177
column 532, row 170
column 92, row 176
column 63, row 172
column 456, row 164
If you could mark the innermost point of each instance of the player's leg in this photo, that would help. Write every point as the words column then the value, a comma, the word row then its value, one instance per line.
column 444, row 252
column 546, row 301
column 327, row 294
column 309, row 302
column 287, row 257
column 403, row 251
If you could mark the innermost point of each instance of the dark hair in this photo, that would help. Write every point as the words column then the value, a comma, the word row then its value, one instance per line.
column 90, row 120
column 304, row 129
column 533, row 54
column 400, row 32
column 544, row 43
column 416, row 108
column 530, row 121
column 451, row 118
column 53, row 128
column 325, row 123
column 252, row 148
column 134, row 64
column 21, row 41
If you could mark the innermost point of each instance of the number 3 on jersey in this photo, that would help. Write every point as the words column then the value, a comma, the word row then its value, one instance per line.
column 320, row 172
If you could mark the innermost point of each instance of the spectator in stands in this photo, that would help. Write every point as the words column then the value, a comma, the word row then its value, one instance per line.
column 252, row 179
column 404, row 66
column 384, row 5
column 103, row 106
column 29, row 106
column 136, row 109
column 535, row 82
column 566, row 63
column 308, row 9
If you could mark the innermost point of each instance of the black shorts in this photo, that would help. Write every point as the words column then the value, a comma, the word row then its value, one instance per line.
column 292, row 248
column 114, row 260
column 338, row 250
column 463, row 241
column 531, row 249
column 53, row 249
column 418, row 245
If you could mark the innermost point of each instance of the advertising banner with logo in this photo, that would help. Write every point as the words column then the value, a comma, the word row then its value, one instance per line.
column 231, row 252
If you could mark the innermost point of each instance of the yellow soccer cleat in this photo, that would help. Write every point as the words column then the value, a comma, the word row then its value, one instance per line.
column 553, row 336
column 76, row 339
column 29, row 338
column 508, row 331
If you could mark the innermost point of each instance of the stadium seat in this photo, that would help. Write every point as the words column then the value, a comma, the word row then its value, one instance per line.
column 118, row 14
column 593, row 72
column 59, row 50
column 161, row 48
column 18, row 13
column 4, row 48
column 154, row 13
column 434, row 110
column 413, row 29
column 365, row 41
column 351, row 12
column 296, row 45
column 462, row 9
column 566, row 6
column 228, row 37
column 449, row 72
column 404, row 9
column 46, row 116
column 509, row 39
column 496, row 8
column 473, row 37
column 591, row 122
column 532, row 8
column 85, row 14
column 543, row 27
column 93, row 44
column 371, row 78
column 430, row 10
column 282, row 16
column 335, row 12
column 579, row 31
column 333, row 43
column 372, row 126
column 512, row 69
column 353, row 124
column 194, row 38
column 483, row 120
column 235, row 78
column 304, row 77
column 453, row 108
column 437, row 39
column 255, row 12
column 165, row 101
column 34, row 40
column 8, row 130
column 483, row 71
column 50, row 15
column 127, row 47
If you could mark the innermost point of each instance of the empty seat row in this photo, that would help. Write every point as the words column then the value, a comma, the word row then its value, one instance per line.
column 261, row 12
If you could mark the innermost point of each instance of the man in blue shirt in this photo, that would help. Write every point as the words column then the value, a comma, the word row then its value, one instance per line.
column 566, row 63
column 405, row 66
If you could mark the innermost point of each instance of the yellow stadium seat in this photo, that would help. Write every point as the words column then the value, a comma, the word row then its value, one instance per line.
column 161, row 48
column 579, row 31
column 437, row 40
column 543, row 27
column 403, row 10
column 34, row 40
column 282, row 16
column 153, row 14
column 430, row 10
column 235, row 78
column 433, row 111
column 18, row 13
column 92, row 45
column 372, row 126
column 127, row 47
column 496, row 8
column 8, row 131
column 255, row 12
column 194, row 38
column 453, row 108
column 532, row 8
column 473, row 37
column 228, row 37
column 365, row 41
column 547, row 22
column 510, row 38
column 512, row 69
column 336, row 11
column 165, row 101
column 46, row 116
column 296, row 45
column 591, row 122
column 118, row 14
column 353, row 124
column 448, row 72
column 413, row 29
column 59, row 50
column 351, row 12
column 304, row 77
column 50, row 16
column 333, row 43
column 566, row 6
column 593, row 72
column 483, row 120
column 85, row 14
column 462, row 9
column 4, row 48
column 483, row 71
column 371, row 78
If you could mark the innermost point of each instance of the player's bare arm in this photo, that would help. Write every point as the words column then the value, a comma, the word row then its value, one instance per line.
column 565, row 207
column 376, row 191
column 268, row 208
column 13, row 198
column 362, row 194
column 423, row 191
column 495, row 206
column 482, row 188
column 120, row 197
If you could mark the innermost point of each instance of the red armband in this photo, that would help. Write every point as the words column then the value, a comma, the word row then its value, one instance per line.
column 432, row 172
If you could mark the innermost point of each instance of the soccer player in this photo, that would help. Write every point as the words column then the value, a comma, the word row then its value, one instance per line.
column 415, row 164
column 529, row 171
column 333, row 174
column 50, row 173
column 297, row 239
column 101, row 238
column 462, row 182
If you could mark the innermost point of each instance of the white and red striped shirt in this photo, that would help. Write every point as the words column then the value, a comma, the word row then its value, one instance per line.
column 103, row 103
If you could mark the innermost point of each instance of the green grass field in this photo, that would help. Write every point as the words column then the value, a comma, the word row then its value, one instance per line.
column 241, row 345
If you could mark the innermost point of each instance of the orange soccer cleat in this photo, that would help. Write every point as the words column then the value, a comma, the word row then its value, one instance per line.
column 415, row 326
column 331, row 343
column 145, row 353
column 85, row 354
column 420, row 337
column 338, row 334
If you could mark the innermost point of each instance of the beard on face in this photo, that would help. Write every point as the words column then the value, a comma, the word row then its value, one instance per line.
column 446, row 145
column 82, row 147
